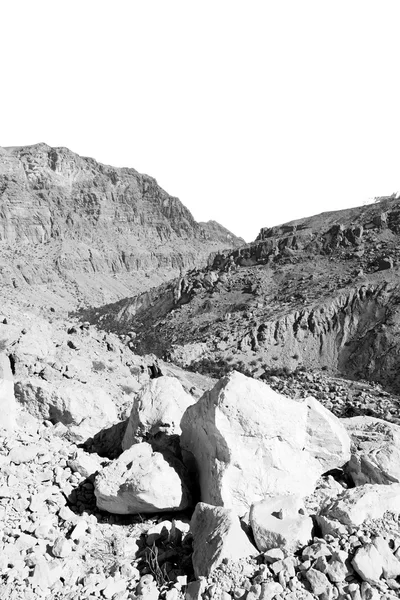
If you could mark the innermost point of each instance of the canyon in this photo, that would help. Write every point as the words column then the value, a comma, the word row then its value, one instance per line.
column 186, row 416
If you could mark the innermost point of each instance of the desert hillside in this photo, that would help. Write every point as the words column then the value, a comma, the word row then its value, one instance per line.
column 184, row 416
column 75, row 231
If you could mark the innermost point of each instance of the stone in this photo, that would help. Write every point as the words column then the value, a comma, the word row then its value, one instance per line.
column 62, row 547
column 23, row 454
column 140, row 481
column 195, row 589
column 147, row 588
column 114, row 587
column 356, row 505
column 69, row 402
column 79, row 530
column 273, row 554
column 270, row 590
column 249, row 441
column 276, row 522
column 330, row 526
column 157, row 412
column 217, row 536
column 319, row 582
column 161, row 529
column 85, row 464
column 45, row 575
column 376, row 450
column 368, row 563
column 391, row 564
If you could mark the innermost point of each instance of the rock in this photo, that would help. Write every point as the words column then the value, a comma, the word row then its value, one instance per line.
column 217, row 535
column 79, row 530
column 319, row 582
column 195, row 589
column 62, row 547
column 272, row 555
column 85, row 464
column 385, row 262
column 368, row 563
column 248, row 442
column 45, row 575
column 270, row 590
column 390, row 564
column 369, row 501
column 330, row 526
column 68, row 402
column 8, row 405
column 114, row 587
column 157, row 412
column 327, row 440
column 140, row 481
column 276, row 522
column 23, row 454
column 376, row 453
column 146, row 588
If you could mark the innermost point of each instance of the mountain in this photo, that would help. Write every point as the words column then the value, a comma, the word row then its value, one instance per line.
column 72, row 229
column 320, row 293
column 123, row 475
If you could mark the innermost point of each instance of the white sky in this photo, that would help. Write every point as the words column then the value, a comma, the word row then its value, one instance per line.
column 252, row 112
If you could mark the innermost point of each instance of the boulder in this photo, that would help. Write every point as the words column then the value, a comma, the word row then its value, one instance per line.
column 249, row 442
column 277, row 523
column 390, row 564
column 368, row 563
column 375, row 454
column 356, row 505
column 69, row 402
column 36, row 343
column 140, row 481
column 157, row 412
column 217, row 535
column 85, row 464
column 8, row 404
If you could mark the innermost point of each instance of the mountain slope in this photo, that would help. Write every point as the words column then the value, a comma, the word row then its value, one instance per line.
column 319, row 293
column 91, row 231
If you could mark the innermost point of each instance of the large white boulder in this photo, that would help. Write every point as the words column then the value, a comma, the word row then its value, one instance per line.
column 375, row 450
column 249, row 442
column 217, row 535
column 358, row 504
column 69, row 402
column 140, row 481
column 157, row 411
column 280, row 522
column 8, row 405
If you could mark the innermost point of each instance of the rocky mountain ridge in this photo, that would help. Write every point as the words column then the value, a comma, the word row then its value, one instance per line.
column 83, row 231
column 320, row 293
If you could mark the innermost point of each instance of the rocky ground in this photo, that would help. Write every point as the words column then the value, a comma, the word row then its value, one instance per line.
column 232, row 434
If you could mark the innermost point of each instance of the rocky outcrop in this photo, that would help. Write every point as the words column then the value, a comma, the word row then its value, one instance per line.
column 83, row 226
column 249, row 442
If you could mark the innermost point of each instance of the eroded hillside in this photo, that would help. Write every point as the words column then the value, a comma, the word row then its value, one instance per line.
column 320, row 293
column 74, row 230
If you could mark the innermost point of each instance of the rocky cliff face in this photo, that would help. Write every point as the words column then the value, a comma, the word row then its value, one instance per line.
column 320, row 293
column 91, row 230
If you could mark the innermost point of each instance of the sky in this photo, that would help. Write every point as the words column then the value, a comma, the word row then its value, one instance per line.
column 252, row 112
